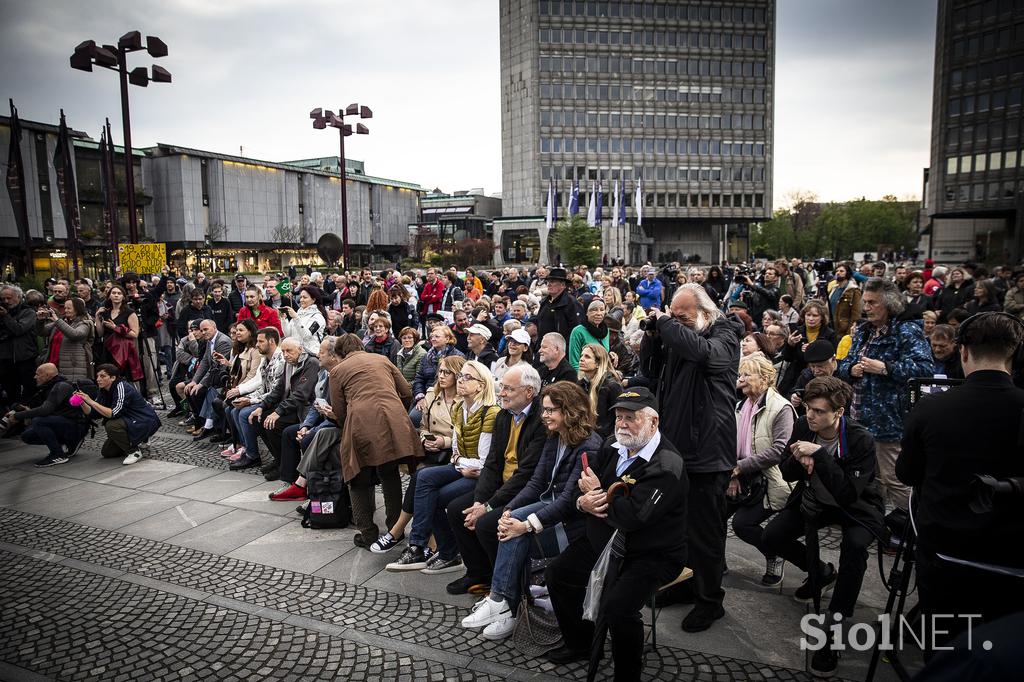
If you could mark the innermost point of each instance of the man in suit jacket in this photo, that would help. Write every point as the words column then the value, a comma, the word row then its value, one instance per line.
column 204, row 379
column 650, row 548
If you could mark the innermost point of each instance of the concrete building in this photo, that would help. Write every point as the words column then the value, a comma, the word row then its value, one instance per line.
column 680, row 95
column 975, row 187
column 453, row 218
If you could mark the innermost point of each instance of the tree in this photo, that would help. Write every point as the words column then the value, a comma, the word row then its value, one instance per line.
column 577, row 242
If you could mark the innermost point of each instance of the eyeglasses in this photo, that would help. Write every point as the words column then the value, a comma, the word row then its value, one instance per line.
column 468, row 377
column 444, row 372
column 505, row 387
column 550, row 410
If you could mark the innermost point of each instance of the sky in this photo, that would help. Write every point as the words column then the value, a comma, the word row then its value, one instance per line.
column 852, row 101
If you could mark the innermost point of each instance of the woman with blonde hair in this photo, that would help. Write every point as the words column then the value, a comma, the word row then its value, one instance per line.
column 602, row 383
column 472, row 428
column 764, row 424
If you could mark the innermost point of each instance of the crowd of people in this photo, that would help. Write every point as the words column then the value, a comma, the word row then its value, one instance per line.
column 522, row 402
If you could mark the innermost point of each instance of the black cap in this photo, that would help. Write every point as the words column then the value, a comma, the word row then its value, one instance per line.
column 820, row 351
column 437, row 317
column 557, row 274
column 239, row 277
column 738, row 304
column 636, row 399
column 613, row 323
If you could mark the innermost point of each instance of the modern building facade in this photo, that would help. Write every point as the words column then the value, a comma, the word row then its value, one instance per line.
column 676, row 94
column 975, row 185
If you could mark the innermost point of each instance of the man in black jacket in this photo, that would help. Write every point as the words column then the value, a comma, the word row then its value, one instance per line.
column 221, row 311
column 560, row 312
column 50, row 419
column 516, row 445
column 551, row 363
column 761, row 297
column 650, row 548
column 17, row 346
column 949, row 439
column 694, row 356
column 196, row 310
column 237, row 296
column 832, row 459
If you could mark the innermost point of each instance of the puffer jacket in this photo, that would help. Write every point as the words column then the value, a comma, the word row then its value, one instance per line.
column 426, row 375
column 75, row 359
column 409, row 364
column 906, row 354
column 772, row 425
column 307, row 327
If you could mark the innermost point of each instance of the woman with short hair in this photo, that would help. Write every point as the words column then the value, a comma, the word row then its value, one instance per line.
column 407, row 354
column 401, row 309
column 128, row 419
column 593, row 330
column 69, row 339
column 378, row 337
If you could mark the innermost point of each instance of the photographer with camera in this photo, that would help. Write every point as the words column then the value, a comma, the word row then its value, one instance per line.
column 950, row 439
column 832, row 459
column 757, row 297
column 50, row 419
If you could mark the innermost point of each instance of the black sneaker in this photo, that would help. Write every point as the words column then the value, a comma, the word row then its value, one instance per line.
column 437, row 565
column 467, row 585
column 50, row 461
column 412, row 559
column 774, row 571
column 825, row 661
column 385, row 543
column 826, row 581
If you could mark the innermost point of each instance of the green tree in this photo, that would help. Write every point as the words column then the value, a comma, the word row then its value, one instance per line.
column 776, row 237
column 577, row 242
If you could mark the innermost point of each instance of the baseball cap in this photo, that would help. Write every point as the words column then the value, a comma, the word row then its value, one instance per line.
column 481, row 330
column 520, row 336
column 636, row 399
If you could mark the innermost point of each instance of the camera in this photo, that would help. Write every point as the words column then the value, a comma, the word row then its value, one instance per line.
column 823, row 266
column 649, row 324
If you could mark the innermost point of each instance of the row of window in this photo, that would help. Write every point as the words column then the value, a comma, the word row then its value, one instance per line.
column 977, row 191
column 649, row 93
column 668, row 173
column 660, row 145
column 989, row 42
column 981, row 134
column 669, row 200
column 986, row 11
column 681, row 39
column 985, row 101
column 670, row 121
column 647, row 10
column 979, row 163
column 658, row 67
column 1007, row 67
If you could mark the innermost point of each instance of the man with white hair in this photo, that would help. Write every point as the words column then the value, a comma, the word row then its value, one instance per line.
column 651, row 540
column 693, row 357
column 551, row 361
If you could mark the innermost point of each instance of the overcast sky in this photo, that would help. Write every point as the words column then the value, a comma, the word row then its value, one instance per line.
column 853, row 84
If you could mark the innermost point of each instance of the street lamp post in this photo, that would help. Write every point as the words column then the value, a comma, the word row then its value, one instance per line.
column 322, row 119
column 115, row 58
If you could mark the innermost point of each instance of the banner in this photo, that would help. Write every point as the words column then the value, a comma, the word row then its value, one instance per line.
column 16, row 181
column 142, row 258
column 67, row 192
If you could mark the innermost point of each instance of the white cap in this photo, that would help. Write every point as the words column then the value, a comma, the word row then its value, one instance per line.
column 480, row 329
column 520, row 336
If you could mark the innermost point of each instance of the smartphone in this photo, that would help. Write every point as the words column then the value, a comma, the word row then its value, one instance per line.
column 799, row 392
column 586, row 464
column 322, row 402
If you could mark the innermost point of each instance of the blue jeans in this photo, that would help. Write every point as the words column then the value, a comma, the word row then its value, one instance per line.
column 247, row 431
column 435, row 488
column 513, row 554
column 207, row 411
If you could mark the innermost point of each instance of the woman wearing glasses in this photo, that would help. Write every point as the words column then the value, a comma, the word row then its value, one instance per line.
column 473, row 425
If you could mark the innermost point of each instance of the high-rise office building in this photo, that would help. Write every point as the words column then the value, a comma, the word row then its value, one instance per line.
column 975, row 189
column 676, row 95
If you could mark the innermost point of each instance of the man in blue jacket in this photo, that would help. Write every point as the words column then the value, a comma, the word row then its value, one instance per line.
column 650, row 291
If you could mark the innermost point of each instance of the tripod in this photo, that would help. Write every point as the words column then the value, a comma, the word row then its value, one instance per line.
column 899, row 588
column 143, row 345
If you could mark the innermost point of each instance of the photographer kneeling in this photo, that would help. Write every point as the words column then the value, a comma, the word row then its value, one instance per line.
column 833, row 460
column 951, row 438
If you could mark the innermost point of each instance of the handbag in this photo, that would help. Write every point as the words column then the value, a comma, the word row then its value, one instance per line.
column 536, row 631
column 752, row 490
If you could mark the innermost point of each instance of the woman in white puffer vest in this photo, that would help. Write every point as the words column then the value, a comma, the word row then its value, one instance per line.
column 308, row 324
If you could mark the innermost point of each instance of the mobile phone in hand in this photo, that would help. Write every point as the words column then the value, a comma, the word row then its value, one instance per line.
column 586, row 464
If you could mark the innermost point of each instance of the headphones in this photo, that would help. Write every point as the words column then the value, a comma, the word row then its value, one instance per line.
column 961, row 331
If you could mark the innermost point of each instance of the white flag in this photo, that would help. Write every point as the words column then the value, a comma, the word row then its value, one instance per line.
column 615, row 204
column 638, row 202
column 551, row 205
column 591, row 207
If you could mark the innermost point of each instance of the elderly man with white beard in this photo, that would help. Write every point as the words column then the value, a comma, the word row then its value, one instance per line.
column 650, row 549
column 692, row 356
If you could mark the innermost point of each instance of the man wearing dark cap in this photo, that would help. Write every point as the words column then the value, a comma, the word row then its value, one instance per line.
column 821, row 362
column 237, row 296
column 559, row 311
column 649, row 549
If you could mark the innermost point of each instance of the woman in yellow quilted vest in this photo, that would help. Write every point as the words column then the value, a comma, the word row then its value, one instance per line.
column 473, row 417
column 764, row 424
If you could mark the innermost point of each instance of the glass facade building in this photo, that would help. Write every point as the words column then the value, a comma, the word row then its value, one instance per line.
column 676, row 94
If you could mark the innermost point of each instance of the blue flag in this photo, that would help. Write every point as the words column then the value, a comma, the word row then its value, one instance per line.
column 621, row 218
column 574, row 198
column 599, row 202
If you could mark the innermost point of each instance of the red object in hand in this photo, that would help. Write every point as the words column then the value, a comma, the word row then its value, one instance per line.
column 586, row 465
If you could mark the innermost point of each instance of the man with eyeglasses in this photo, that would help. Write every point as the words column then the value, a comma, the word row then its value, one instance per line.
column 518, row 438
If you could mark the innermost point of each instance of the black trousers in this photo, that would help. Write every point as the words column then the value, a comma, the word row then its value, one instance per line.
column 291, row 451
column 780, row 539
column 479, row 547
column 273, row 437
column 195, row 403
column 747, row 520
column 621, row 601
column 705, row 536
column 18, row 381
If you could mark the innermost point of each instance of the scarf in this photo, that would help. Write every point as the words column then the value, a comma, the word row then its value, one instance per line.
column 598, row 332
column 745, row 430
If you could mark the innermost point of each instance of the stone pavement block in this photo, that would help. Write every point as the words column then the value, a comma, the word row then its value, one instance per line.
column 86, row 465
column 127, row 510
column 140, row 474
column 79, row 498
column 24, row 489
column 217, row 487
column 229, row 531
column 12, row 474
column 256, row 499
column 295, row 548
column 181, row 517
column 416, row 584
column 357, row 565
column 187, row 477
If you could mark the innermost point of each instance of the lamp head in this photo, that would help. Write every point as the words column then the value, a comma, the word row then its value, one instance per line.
column 130, row 41
column 139, row 76
column 156, row 47
column 160, row 75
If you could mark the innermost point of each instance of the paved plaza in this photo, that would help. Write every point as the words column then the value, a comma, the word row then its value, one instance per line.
column 176, row 568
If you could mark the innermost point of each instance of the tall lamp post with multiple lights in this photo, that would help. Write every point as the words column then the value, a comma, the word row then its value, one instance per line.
column 115, row 58
column 322, row 119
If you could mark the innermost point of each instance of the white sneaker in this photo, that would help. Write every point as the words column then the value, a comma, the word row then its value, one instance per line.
column 133, row 457
column 500, row 629
column 485, row 612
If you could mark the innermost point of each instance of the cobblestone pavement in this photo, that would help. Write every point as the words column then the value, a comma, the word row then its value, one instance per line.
column 176, row 569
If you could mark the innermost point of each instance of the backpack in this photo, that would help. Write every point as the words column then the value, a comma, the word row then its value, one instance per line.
column 329, row 503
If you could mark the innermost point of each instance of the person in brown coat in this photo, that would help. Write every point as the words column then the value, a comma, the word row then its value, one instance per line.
column 370, row 399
